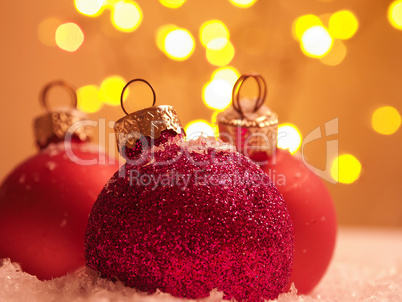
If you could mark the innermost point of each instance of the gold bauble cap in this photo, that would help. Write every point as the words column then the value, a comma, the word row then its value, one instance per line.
column 149, row 122
column 54, row 125
column 250, row 126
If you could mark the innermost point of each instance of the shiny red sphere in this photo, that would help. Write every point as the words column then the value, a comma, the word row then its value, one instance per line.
column 313, row 215
column 44, row 208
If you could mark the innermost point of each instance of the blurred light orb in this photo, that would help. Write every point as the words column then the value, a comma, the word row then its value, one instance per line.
column 88, row 99
column 346, row 169
column 343, row 25
column 172, row 3
column 198, row 128
column 46, row 30
column 395, row 14
column 243, row 3
column 214, row 34
column 221, row 57
column 217, row 44
column 336, row 55
column 217, row 94
column 161, row 34
column 111, row 3
column 289, row 137
column 386, row 120
column 316, row 42
column 179, row 44
column 227, row 73
column 111, row 89
column 126, row 16
column 69, row 37
column 301, row 24
column 213, row 119
column 91, row 8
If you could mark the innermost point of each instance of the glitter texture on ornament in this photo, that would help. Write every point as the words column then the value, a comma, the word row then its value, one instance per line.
column 191, row 218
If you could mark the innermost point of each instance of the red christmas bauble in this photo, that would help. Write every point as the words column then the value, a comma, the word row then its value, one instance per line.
column 188, row 218
column 45, row 201
column 44, row 208
column 252, row 128
column 313, row 215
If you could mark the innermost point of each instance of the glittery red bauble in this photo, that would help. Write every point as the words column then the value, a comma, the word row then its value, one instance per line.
column 191, row 218
column 313, row 216
column 44, row 208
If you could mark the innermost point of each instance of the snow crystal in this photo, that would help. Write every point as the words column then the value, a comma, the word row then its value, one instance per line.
column 22, row 178
column 54, row 149
column 63, row 223
column 203, row 144
column 51, row 165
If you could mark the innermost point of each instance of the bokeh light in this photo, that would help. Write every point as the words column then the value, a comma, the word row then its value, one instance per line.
column 126, row 16
column 214, row 34
column 336, row 55
column 316, row 42
column 46, row 30
column 91, row 8
column 179, row 44
column 227, row 73
column 395, row 14
column 172, row 3
column 343, row 25
column 69, row 36
column 217, row 94
column 243, row 3
column 301, row 24
column 386, row 120
column 221, row 57
column 289, row 137
column 346, row 169
column 161, row 34
column 88, row 99
column 111, row 3
column 198, row 128
column 213, row 120
column 111, row 89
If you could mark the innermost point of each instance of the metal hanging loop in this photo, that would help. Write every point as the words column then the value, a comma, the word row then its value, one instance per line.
column 45, row 91
column 262, row 92
column 130, row 82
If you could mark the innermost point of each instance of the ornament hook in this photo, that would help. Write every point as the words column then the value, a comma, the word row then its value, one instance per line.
column 130, row 82
column 262, row 92
column 68, row 87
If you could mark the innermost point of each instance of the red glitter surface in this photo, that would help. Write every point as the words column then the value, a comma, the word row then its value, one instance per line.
column 208, row 219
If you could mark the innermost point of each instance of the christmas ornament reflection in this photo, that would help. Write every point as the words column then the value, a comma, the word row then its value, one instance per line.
column 188, row 217
column 252, row 128
column 45, row 202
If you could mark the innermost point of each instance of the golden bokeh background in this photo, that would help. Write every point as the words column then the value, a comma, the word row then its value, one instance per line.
column 323, row 61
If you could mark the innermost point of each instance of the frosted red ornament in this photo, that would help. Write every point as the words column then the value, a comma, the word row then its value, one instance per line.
column 46, row 200
column 253, row 130
column 182, row 217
